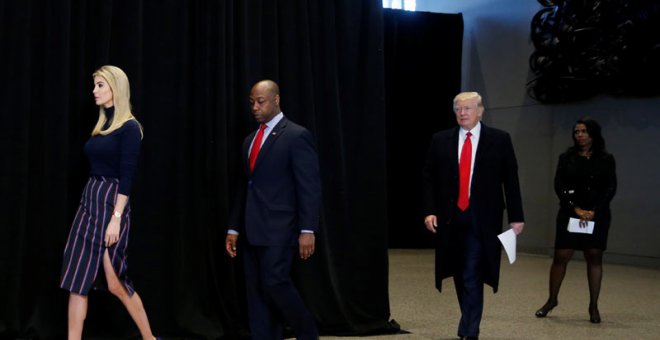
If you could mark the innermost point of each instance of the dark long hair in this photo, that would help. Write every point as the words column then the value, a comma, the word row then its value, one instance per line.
column 594, row 131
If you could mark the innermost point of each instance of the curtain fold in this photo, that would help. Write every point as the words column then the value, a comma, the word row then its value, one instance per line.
column 423, row 74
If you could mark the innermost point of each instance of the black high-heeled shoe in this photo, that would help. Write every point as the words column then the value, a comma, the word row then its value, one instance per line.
column 594, row 315
column 543, row 312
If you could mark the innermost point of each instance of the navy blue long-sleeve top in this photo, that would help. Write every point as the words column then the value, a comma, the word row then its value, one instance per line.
column 116, row 154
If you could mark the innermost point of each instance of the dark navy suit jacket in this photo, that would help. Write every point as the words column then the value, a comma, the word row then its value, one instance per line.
column 282, row 195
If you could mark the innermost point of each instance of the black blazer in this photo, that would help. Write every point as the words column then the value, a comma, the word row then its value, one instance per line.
column 495, row 186
column 590, row 185
column 282, row 195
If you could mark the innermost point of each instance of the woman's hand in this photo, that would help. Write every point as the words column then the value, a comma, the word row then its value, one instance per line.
column 112, row 232
column 584, row 215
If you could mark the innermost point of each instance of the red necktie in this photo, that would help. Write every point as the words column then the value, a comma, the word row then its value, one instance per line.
column 464, row 174
column 256, row 145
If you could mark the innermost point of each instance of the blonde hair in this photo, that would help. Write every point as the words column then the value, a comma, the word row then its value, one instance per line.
column 469, row 95
column 121, row 98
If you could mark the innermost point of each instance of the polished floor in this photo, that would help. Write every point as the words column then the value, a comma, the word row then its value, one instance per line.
column 629, row 302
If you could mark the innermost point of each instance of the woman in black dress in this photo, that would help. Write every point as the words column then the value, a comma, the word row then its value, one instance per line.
column 585, row 183
column 95, row 254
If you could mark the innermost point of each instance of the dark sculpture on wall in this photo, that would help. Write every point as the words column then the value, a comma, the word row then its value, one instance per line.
column 589, row 47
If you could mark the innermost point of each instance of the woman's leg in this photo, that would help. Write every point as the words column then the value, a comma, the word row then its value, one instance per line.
column 77, row 314
column 557, row 273
column 594, row 259
column 132, row 303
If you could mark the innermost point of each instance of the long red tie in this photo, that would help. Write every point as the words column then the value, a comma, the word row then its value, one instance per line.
column 464, row 174
column 256, row 145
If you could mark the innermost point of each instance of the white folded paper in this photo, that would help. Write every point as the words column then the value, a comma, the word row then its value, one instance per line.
column 508, row 239
column 575, row 226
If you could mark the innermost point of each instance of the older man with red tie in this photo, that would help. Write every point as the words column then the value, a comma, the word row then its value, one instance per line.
column 469, row 171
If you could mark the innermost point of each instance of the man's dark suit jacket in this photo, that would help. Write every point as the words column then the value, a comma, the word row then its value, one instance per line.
column 282, row 195
column 495, row 176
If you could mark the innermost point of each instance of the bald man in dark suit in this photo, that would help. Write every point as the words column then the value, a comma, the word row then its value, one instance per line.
column 278, row 212
column 469, row 171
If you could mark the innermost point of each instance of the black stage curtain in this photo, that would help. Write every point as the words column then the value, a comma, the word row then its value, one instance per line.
column 191, row 65
column 423, row 62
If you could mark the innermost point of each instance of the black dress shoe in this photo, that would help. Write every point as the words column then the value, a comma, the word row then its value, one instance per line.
column 543, row 312
column 594, row 315
column 469, row 338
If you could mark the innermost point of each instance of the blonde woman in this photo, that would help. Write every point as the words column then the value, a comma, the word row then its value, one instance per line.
column 95, row 253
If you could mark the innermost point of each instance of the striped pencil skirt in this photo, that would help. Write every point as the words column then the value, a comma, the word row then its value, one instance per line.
column 83, row 254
